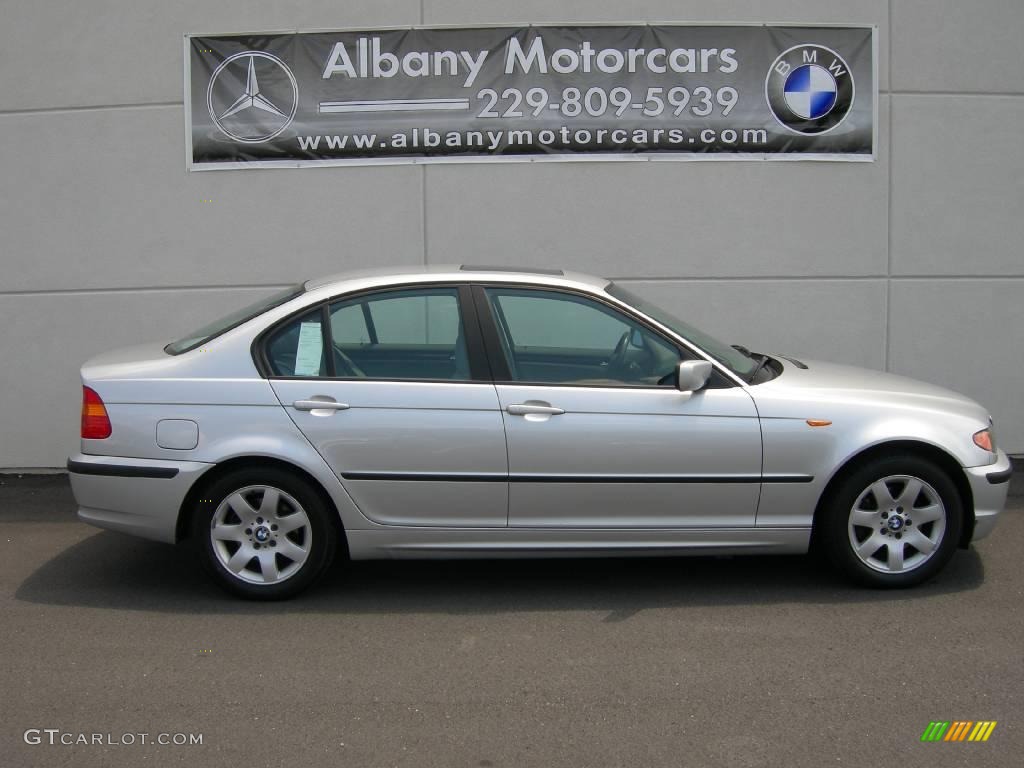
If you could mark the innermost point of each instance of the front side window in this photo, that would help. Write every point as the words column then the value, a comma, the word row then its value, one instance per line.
column 733, row 358
column 561, row 338
column 414, row 334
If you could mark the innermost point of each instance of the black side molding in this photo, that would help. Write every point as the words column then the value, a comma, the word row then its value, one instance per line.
column 427, row 477
column 119, row 470
column 468, row 477
column 998, row 478
column 677, row 479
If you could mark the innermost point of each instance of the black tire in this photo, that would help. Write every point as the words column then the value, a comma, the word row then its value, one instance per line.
column 320, row 546
column 836, row 530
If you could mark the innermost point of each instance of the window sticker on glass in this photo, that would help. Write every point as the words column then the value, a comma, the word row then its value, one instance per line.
column 309, row 350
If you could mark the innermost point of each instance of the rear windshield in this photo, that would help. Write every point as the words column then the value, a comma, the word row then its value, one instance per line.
column 245, row 314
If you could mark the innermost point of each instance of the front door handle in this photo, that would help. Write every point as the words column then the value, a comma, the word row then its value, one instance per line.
column 318, row 405
column 525, row 409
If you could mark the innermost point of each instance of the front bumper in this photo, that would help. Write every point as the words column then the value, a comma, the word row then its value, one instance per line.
column 137, row 496
column 989, row 486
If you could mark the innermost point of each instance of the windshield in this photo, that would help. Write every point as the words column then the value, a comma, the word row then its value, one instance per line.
column 226, row 323
column 736, row 361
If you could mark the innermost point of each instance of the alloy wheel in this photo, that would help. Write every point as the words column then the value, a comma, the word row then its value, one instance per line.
column 261, row 535
column 897, row 524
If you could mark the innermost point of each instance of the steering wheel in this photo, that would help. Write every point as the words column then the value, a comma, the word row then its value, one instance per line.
column 345, row 365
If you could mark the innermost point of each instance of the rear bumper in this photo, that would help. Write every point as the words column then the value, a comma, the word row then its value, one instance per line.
column 989, row 486
column 137, row 496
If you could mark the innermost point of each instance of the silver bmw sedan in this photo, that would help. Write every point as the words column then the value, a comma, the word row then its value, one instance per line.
column 487, row 412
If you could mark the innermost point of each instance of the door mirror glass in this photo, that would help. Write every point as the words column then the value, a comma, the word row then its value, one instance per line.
column 692, row 375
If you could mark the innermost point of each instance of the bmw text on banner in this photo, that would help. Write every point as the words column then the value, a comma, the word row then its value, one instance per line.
column 527, row 93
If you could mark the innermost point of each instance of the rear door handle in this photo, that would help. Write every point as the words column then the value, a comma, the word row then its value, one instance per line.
column 317, row 405
column 525, row 409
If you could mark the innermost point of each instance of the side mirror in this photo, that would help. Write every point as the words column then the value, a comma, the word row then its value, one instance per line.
column 692, row 375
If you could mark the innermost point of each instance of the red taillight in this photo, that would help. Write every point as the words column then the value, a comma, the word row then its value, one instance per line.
column 95, row 422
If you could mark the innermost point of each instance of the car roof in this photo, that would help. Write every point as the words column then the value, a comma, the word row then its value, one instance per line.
column 465, row 273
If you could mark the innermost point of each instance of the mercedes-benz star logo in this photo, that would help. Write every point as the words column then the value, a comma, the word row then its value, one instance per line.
column 262, row 111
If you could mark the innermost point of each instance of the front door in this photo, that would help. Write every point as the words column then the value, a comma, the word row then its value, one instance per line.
column 392, row 394
column 598, row 435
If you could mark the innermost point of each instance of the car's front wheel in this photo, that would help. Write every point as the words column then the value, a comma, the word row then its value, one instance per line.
column 263, row 533
column 894, row 522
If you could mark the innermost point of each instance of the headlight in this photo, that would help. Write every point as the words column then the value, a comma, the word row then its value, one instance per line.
column 985, row 440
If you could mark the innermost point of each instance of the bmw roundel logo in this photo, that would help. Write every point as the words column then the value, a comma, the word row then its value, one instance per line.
column 809, row 89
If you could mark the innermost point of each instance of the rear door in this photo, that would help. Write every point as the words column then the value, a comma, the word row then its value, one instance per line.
column 392, row 389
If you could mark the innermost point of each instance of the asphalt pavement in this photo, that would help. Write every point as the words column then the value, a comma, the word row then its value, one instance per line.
column 752, row 661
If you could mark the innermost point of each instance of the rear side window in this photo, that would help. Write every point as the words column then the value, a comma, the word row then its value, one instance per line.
column 414, row 334
column 349, row 325
column 212, row 330
column 428, row 317
column 297, row 347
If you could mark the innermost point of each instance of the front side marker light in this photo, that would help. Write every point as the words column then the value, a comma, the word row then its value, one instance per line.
column 983, row 439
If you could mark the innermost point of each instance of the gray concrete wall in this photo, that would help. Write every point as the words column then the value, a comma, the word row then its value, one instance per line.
column 911, row 263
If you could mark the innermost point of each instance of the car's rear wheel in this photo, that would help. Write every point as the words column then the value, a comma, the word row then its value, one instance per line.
column 894, row 522
column 264, row 533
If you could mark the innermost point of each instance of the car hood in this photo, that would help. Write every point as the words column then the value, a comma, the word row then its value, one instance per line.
column 831, row 382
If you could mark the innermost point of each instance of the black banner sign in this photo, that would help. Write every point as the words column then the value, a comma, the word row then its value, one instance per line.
column 645, row 92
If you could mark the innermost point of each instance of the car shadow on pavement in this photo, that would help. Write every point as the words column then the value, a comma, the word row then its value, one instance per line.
column 110, row 570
